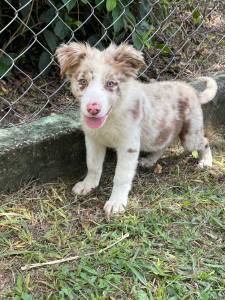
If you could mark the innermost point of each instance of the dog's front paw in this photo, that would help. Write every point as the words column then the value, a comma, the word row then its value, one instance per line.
column 83, row 187
column 146, row 162
column 205, row 163
column 114, row 207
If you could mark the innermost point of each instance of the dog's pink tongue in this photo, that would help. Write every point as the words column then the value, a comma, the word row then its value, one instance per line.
column 95, row 122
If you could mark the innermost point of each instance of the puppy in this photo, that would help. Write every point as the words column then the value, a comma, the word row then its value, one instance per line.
column 119, row 112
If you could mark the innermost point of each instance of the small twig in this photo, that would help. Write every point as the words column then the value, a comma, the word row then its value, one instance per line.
column 113, row 244
column 47, row 263
column 59, row 261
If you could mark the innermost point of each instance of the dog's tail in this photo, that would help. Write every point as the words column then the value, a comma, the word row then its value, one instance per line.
column 210, row 90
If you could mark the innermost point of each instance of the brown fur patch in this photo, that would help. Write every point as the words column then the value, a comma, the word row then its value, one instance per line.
column 183, row 125
column 184, row 130
column 70, row 56
column 183, row 106
column 125, row 59
column 177, row 124
column 130, row 150
column 136, row 111
column 163, row 135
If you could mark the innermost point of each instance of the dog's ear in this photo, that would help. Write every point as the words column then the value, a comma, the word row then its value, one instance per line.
column 126, row 58
column 70, row 56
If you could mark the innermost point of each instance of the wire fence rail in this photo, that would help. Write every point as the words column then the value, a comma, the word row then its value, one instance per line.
column 180, row 39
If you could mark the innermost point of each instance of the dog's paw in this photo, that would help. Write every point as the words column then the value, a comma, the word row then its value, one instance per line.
column 83, row 187
column 113, row 207
column 205, row 163
column 146, row 162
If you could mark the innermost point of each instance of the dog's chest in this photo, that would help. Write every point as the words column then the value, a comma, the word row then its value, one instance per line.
column 110, row 136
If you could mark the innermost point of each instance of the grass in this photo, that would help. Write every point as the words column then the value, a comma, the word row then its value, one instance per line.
column 175, row 248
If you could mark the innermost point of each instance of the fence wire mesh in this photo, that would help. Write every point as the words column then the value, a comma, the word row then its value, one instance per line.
column 180, row 39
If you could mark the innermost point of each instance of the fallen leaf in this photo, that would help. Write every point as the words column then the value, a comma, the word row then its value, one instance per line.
column 3, row 88
column 158, row 169
column 194, row 154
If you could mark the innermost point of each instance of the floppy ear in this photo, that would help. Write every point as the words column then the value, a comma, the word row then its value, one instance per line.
column 70, row 55
column 126, row 58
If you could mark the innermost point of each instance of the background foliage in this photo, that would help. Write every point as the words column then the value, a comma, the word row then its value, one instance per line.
column 180, row 39
column 48, row 23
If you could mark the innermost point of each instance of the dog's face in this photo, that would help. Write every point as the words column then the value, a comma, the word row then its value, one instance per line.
column 96, row 76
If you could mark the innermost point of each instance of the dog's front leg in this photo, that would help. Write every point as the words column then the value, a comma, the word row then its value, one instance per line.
column 95, row 154
column 127, row 158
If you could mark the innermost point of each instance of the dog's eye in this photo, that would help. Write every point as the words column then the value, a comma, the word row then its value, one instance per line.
column 83, row 82
column 111, row 83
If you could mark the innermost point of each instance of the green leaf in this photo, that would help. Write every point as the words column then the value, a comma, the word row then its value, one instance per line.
column 26, row 296
column 48, row 15
column 5, row 64
column 88, row 279
column 90, row 270
column 69, row 4
column 72, row 22
column 44, row 60
column 19, row 284
column 61, row 30
column 186, row 203
column 141, row 295
column 136, row 38
column 144, row 7
column 111, row 4
column 113, row 278
column 130, row 17
column 66, row 291
column 165, row 49
column 196, row 15
column 50, row 39
column 118, row 23
column 103, row 283
column 138, row 275
column 194, row 154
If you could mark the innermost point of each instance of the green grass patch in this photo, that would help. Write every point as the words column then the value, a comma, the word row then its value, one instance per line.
column 175, row 248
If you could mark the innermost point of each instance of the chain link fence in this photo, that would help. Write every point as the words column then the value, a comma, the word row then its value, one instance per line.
column 180, row 39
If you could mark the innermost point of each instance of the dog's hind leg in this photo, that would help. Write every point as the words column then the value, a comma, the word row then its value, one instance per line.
column 150, row 160
column 194, row 139
column 205, row 155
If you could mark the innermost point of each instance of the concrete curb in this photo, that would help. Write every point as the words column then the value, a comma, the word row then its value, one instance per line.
column 45, row 149
column 54, row 146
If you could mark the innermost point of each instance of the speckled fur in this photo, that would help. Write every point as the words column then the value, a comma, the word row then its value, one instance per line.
column 142, row 116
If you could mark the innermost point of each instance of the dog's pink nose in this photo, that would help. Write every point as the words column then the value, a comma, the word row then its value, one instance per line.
column 93, row 108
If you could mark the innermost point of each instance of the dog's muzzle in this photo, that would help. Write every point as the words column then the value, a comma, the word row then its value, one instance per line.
column 96, row 122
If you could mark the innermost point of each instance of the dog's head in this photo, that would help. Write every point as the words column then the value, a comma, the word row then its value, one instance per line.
column 96, row 76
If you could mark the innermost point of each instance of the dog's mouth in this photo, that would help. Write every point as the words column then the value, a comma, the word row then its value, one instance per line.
column 96, row 122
